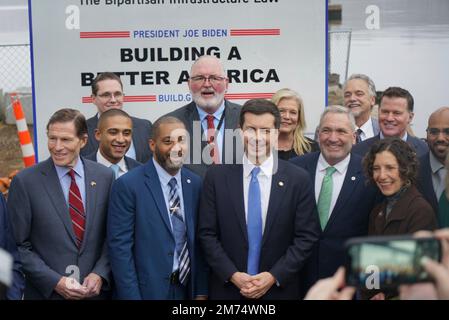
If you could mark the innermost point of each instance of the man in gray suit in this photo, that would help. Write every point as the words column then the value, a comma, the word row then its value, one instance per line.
column 114, row 135
column 395, row 114
column 209, row 116
column 360, row 97
column 107, row 93
column 57, row 210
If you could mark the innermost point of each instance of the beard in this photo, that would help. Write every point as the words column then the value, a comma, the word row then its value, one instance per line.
column 211, row 103
column 172, row 161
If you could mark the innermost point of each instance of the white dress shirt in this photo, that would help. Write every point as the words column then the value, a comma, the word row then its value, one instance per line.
column 367, row 130
column 122, row 164
column 337, row 178
column 265, row 176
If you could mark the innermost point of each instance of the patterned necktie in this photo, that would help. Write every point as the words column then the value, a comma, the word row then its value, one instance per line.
column 214, row 153
column 179, row 231
column 358, row 135
column 116, row 170
column 254, row 223
column 324, row 200
column 76, row 209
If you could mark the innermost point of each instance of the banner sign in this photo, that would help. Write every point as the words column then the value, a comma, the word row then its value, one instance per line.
column 265, row 45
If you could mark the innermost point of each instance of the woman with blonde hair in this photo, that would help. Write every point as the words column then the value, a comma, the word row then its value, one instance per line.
column 292, row 142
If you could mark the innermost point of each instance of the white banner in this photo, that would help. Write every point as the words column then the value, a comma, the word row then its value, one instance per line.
column 265, row 45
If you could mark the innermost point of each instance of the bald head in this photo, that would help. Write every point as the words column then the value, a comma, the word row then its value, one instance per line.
column 438, row 133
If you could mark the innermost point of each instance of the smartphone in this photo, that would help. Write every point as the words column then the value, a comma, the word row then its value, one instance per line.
column 388, row 261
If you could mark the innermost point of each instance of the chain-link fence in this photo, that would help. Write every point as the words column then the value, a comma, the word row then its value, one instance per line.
column 15, row 76
column 339, row 48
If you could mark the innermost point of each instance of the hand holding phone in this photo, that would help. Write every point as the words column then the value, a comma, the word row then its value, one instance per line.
column 386, row 262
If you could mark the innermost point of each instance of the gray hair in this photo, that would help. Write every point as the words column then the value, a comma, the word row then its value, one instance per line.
column 339, row 110
column 369, row 82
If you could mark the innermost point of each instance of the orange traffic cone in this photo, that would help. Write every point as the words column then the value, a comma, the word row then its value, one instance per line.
column 22, row 130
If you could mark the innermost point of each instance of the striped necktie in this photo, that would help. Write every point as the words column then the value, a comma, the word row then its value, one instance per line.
column 179, row 231
column 76, row 209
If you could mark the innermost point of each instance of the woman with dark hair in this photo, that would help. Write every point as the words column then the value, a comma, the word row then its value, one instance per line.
column 392, row 165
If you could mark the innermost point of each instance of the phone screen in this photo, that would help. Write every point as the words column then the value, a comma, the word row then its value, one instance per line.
column 383, row 262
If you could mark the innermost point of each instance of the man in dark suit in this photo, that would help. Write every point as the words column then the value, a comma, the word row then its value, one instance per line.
column 258, row 221
column 209, row 119
column 152, row 222
column 114, row 134
column 8, row 243
column 107, row 93
column 432, row 172
column 395, row 114
column 344, row 214
column 360, row 97
column 57, row 210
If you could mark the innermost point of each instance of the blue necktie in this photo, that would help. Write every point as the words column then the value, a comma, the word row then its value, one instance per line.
column 116, row 170
column 254, row 223
column 179, row 231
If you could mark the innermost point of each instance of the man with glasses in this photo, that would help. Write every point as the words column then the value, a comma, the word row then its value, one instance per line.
column 432, row 173
column 209, row 115
column 107, row 93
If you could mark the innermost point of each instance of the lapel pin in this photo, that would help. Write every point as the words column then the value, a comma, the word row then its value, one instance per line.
column 93, row 183
column 188, row 181
column 281, row 184
column 353, row 178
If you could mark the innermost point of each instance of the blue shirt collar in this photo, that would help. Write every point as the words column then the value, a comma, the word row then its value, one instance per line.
column 217, row 114
column 78, row 168
column 164, row 176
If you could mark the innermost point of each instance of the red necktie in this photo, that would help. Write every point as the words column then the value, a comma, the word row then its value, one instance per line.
column 211, row 139
column 76, row 209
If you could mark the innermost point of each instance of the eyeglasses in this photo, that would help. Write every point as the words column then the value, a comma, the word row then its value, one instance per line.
column 436, row 132
column 212, row 79
column 108, row 95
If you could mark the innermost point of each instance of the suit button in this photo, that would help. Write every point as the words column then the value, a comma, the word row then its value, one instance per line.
column 170, row 254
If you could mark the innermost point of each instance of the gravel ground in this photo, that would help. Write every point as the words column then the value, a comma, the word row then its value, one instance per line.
column 10, row 152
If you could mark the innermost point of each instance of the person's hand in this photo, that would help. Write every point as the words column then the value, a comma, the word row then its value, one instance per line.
column 241, row 280
column 378, row 296
column 200, row 298
column 262, row 282
column 71, row 289
column 438, row 271
column 93, row 283
column 328, row 289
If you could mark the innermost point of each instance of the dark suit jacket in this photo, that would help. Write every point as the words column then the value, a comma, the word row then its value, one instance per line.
column 130, row 163
column 425, row 184
column 141, row 135
column 188, row 114
column 43, row 230
column 417, row 144
column 8, row 243
column 291, row 229
column 348, row 219
column 140, row 240
column 410, row 214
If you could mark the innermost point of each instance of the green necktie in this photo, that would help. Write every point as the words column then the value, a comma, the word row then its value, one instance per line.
column 443, row 211
column 324, row 200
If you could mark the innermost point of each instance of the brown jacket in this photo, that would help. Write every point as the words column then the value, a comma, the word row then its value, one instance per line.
column 410, row 214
